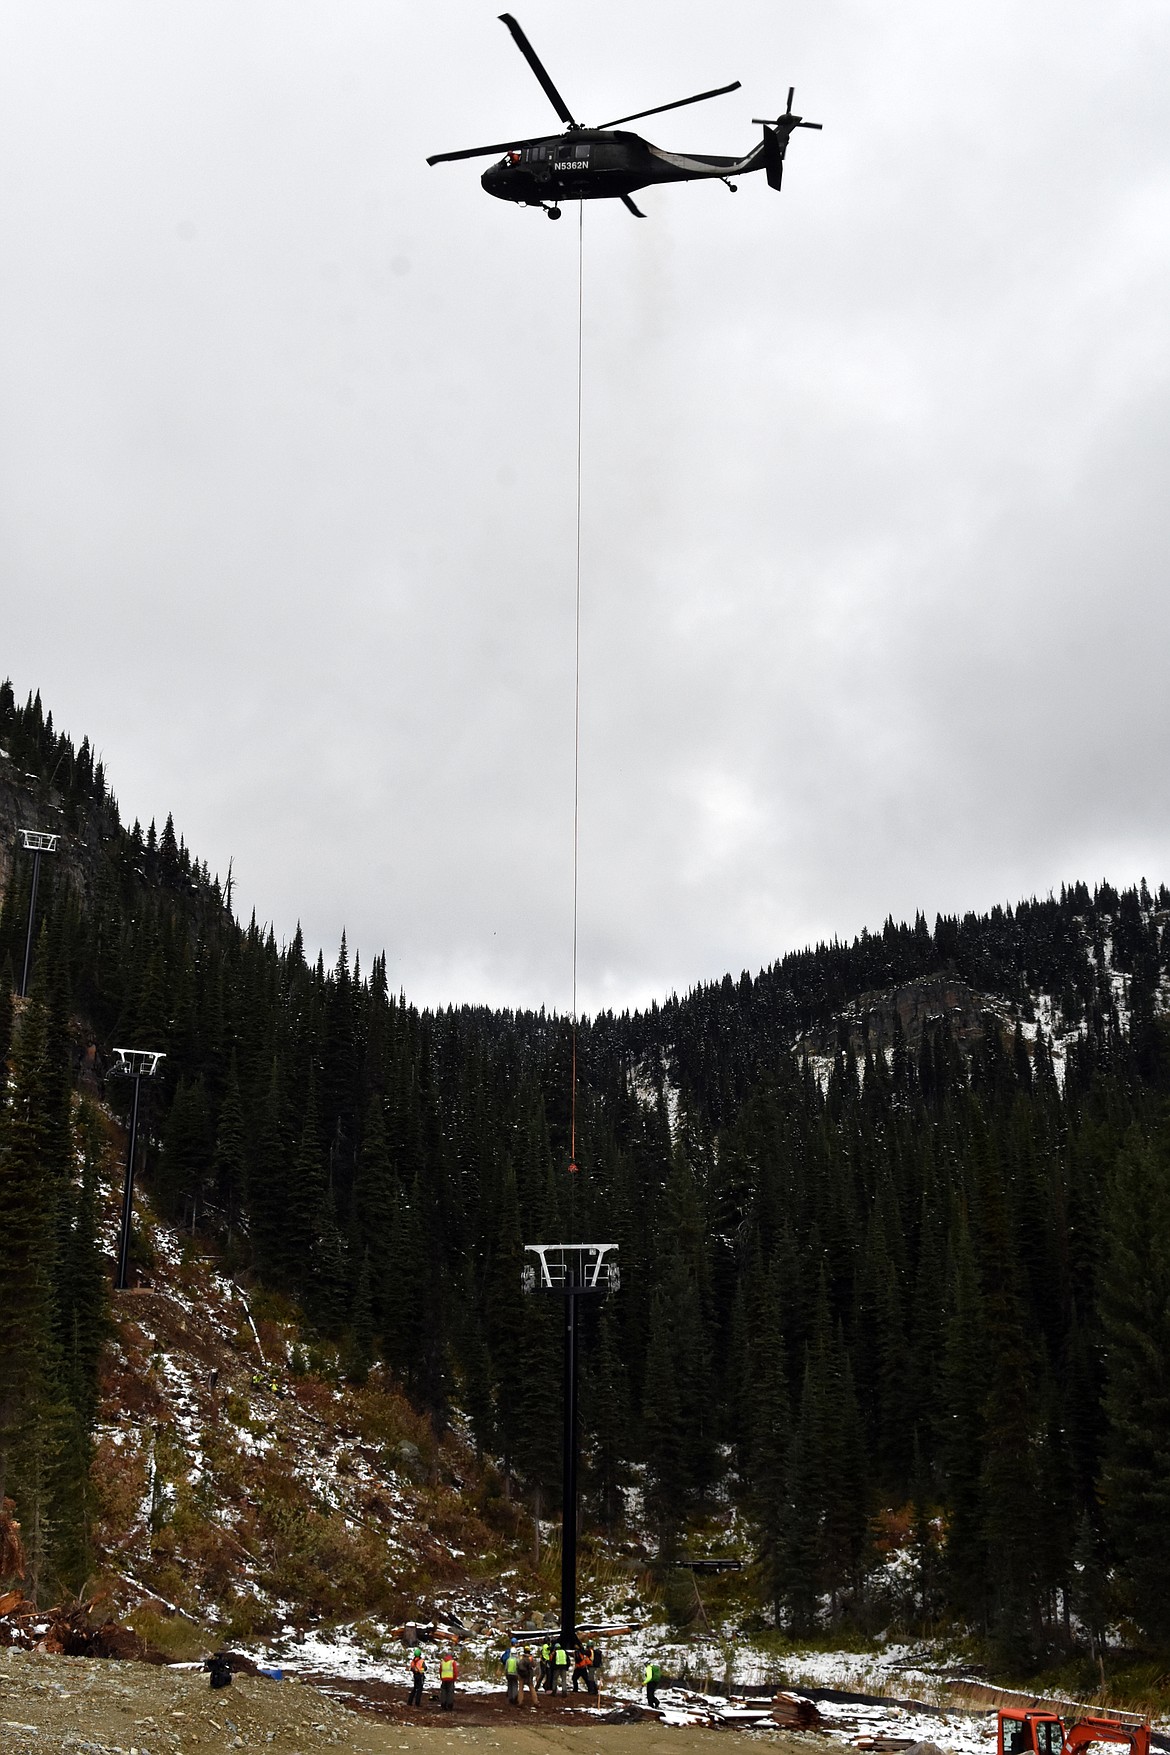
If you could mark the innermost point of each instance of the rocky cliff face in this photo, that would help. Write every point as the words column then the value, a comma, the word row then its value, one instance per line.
column 915, row 1006
column 27, row 802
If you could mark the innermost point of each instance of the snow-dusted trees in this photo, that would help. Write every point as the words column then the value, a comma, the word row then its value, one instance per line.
column 1135, row 1310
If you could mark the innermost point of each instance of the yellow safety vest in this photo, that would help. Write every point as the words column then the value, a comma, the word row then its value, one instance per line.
column 447, row 1670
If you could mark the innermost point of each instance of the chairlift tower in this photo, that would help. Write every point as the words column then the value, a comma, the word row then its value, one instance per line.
column 136, row 1064
column 573, row 1271
column 35, row 842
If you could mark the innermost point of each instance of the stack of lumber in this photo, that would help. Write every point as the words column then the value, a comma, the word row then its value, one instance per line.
column 794, row 1711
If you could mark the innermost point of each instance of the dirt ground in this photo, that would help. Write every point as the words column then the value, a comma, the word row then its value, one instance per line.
column 94, row 1706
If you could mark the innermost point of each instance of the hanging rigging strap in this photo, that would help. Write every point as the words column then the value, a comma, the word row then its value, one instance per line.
column 577, row 675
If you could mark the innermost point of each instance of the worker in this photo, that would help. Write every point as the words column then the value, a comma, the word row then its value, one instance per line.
column 525, row 1671
column 418, row 1669
column 546, row 1672
column 583, row 1669
column 560, row 1658
column 512, row 1675
column 448, row 1676
column 653, row 1683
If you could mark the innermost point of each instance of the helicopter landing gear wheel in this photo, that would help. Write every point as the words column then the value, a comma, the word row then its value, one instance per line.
column 734, row 187
column 553, row 212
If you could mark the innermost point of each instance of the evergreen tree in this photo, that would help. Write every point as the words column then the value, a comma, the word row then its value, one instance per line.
column 770, row 1422
column 268, row 1179
column 306, row 1216
column 326, row 1299
column 662, row 1423
column 362, row 1350
column 6, row 1016
column 964, row 1382
column 31, row 1405
column 186, row 1151
column 1135, row 1309
column 229, row 1161
column 375, row 1185
column 607, row 1419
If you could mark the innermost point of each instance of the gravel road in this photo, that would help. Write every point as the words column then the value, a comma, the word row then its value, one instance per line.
column 93, row 1706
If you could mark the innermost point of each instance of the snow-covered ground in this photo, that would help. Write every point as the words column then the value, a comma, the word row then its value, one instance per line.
column 907, row 1669
column 371, row 1654
column 963, row 1733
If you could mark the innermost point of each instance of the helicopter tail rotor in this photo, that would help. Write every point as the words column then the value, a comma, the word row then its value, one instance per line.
column 776, row 137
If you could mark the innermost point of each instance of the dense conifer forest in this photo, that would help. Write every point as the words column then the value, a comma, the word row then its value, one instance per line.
column 894, row 1220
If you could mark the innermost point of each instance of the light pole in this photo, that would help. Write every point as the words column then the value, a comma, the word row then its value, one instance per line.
column 575, row 1271
column 36, row 843
column 136, row 1064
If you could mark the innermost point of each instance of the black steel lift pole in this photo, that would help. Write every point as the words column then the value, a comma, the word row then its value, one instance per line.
column 569, row 1478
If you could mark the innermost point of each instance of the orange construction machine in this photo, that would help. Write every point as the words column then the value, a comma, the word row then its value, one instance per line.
column 1032, row 1731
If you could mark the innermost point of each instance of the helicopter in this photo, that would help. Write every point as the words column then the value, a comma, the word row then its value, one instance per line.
column 592, row 164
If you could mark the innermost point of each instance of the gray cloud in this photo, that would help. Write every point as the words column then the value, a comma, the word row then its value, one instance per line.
column 875, row 520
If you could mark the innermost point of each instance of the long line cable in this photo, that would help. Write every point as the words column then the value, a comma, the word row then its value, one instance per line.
column 577, row 669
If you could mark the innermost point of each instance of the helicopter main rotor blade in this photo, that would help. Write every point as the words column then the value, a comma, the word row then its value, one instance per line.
column 438, row 158
column 678, row 104
column 537, row 65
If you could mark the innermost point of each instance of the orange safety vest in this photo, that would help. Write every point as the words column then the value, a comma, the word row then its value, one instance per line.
column 447, row 1670
column 419, row 1666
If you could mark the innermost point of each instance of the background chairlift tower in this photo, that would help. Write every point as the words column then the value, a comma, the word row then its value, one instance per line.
column 574, row 1271
column 36, row 843
column 136, row 1064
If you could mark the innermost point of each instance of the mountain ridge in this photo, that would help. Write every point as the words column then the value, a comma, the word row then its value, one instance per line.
column 858, row 1273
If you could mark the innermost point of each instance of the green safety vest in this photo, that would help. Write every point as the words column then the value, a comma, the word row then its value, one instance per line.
column 559, row 1657
column 447, row 1670
column 652, row 1672
column 512, row 1665
column 544, row 1651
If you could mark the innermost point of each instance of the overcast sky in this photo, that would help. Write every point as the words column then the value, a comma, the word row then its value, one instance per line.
column 876, row 508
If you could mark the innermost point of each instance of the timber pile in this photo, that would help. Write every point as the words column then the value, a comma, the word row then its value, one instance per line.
column 887, row 1745
column 71, row 1630
column 795, row 1712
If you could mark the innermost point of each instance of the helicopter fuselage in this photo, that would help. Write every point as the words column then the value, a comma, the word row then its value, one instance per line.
column 590, row 164
column 609, row 163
